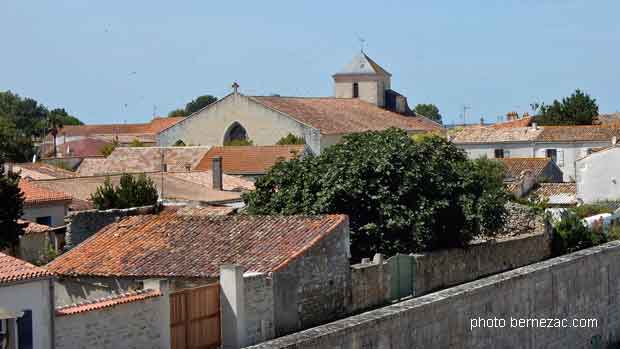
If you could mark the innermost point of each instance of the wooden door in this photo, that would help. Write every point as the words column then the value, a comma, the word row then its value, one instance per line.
column 195, row 318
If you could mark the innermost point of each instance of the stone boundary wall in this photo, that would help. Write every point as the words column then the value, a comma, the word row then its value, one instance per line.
column 259, row 310
column 371, row 280
column 83, row 224
column 140, row 324
column 581, row 285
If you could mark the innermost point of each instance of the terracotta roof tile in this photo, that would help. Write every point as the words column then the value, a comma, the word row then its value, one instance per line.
column 578, row 133
column 40, row 170
column 32, row 227
column 107, row 302
column 13, row 269
column 491, row 134
column 515, row 166
column 37, row 195
column 249, row 159
column 152, row 127
column 488, row 134
column 557, row 193
column 344, row 115
column 176, row 245
column 523, row 122
column 85, row 147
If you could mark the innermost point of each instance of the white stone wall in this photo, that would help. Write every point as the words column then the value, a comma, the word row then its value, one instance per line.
column 259, row 308
column 263, row 125
column 57, row 212
column 598, row 176
column 371, row 88
column 35, row 296
column 517, row 150
column 140, row 324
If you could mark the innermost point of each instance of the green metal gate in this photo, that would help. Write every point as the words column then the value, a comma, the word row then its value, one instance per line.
column 402, row 274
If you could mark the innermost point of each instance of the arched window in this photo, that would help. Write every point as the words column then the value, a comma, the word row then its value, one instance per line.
column 356, row 90
column 235, row 132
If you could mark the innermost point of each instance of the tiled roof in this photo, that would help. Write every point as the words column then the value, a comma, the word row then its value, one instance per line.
column 515, row 166
column 13, row 269
column 143, row 159
column 32, row 227
column 249, row 159
column 488, row 134
column 205, row 178
column 107, row 302
column 40, row 170
column 578, row 133
column 85, row 147
column 557, row 193
column 37, row 195
column 491, row 134
column 175, row 187
column 152, row 127
column 175, row 245
column 344, row 115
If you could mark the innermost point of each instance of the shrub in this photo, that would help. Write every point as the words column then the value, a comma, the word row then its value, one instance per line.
column 238, row 142
column 107, row 149
column 571, row 234
column 131, row 192
column 136, row 143
column 587, row 210
column 291, row 139
column 401, row 195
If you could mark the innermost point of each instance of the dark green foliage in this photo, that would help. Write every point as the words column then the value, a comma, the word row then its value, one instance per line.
column 570, row 234
column 194, row 106
column 179, row 143
column 429, row 110
column 401, row 195
column 578, row 109
column 131, row 192
column 11, row 208
column 587, row 210
column 239, row 142
column 21, row 119
column 136, row 143
column 109, row 148
column 291, row 139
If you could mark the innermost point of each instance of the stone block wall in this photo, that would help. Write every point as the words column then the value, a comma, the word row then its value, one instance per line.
column 259, row 310
column 581, row 285
column 140, row 324
column 83, row 224
column 314, row 288
column 370, row 284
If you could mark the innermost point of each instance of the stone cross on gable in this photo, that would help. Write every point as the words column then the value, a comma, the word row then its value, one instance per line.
column 235, row 87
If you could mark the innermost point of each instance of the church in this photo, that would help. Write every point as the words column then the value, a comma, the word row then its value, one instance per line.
column 363, row 101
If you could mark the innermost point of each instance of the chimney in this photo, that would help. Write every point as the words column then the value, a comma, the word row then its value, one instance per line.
column 511, row 116
column 481, row 121
column 614, row 140
column 216, row 169
column 534, row 126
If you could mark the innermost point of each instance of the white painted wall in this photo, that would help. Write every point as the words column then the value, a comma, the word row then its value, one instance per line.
column 598, row 176
column 31, row 295
column 57, row 212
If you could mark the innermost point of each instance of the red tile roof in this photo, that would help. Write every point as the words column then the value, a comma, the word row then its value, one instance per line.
column 523, row 122
column 86, row 147
column 515, row 166
column 32, row 227
column 36, row 195
column 13, row 269
column 107, row 302
column 578, row 133
column 557, row 193
column 170, row 244
column 490, row 134
column 249, row 159
column 40, row 170
column 344, row 115
column 152, row 127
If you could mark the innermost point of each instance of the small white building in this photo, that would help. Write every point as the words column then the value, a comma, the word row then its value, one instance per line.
column 26, row 305
column 598, row 176
column 44, row 206
column 563, row 144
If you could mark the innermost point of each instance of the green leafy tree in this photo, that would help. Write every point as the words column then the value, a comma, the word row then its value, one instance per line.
column 428, row 110
column 107, row 149
column 571, row 234
column 131, row 192
column 291, row 139
column 11, row 208
column 54, row 125
column 401, row 194
column 194, row 106
column 578, row 109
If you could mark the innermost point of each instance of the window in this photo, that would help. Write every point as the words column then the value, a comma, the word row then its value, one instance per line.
column 499, row 153
column 552, row 154
column 47, row 220
column 356, row 90
column 235, row 132
column 24, row 330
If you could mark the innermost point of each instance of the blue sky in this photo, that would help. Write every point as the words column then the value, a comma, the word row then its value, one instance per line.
column 113, row 61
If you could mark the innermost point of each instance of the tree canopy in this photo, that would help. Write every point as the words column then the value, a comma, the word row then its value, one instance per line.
column 577, row 109
column 11, row 208
column 401, row 194
column 194, row 106
column 429, row 110
column 21, row 119
column 131, row 192
column 291, row 139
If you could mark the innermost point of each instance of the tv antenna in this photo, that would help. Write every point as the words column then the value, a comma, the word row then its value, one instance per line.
column 465, row 109
column 362, row 43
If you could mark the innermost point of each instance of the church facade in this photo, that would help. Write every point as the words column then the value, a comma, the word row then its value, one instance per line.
column 363, row 101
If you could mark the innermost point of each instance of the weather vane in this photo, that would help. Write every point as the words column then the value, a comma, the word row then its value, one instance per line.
column 362, row 43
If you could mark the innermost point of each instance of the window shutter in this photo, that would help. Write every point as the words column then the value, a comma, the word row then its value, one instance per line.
column 24, row 330
column 506, row 153
column 560, row 157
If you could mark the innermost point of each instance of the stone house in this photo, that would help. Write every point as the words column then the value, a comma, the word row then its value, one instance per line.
column 598, row 175
column 275, row 274
column 364, row 101
column 26, row 305
column 563, row 144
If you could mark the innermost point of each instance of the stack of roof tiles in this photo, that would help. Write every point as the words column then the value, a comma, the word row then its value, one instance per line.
column 171, row 244
column 249, row 160
column 13, row 270
column 107, row 302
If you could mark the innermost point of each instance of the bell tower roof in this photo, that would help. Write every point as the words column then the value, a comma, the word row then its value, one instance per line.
column 361, row 64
